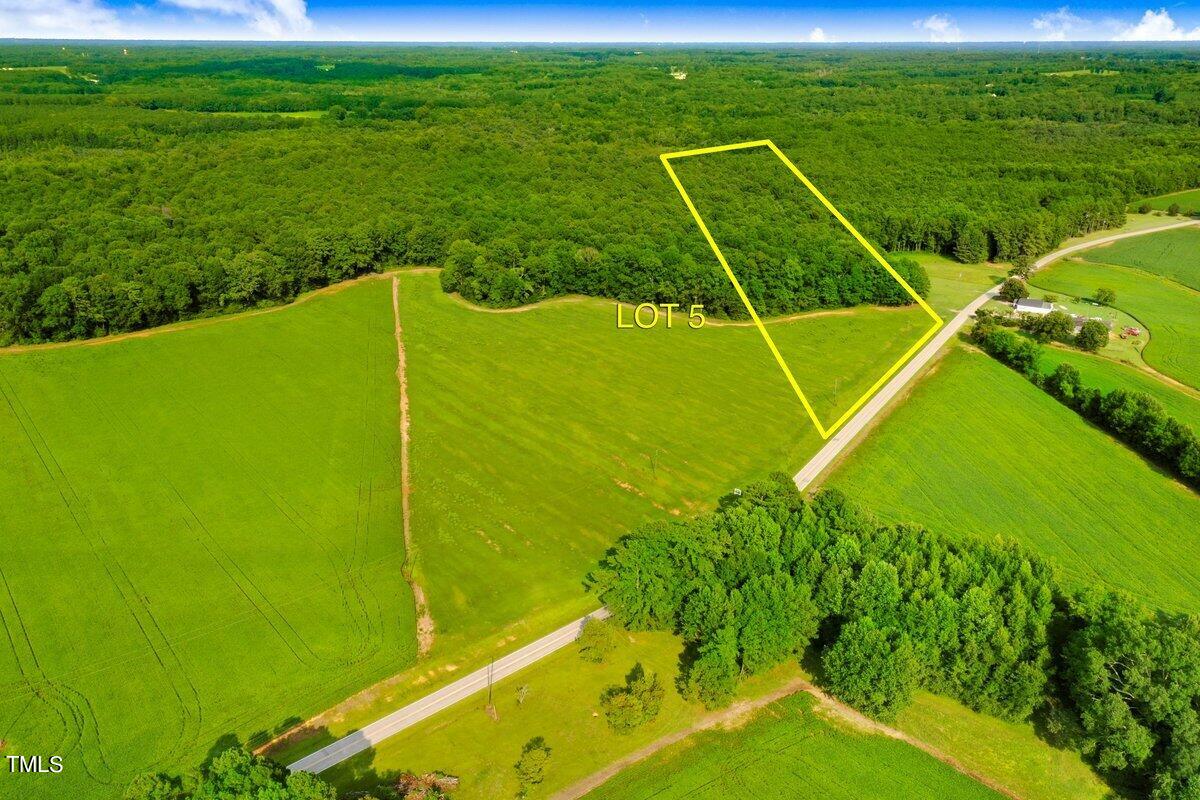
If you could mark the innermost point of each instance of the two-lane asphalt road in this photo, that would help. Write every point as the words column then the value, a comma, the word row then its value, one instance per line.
column 479, row 680
column 443, row 698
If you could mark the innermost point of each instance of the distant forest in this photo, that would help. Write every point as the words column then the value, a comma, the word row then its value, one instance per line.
column 151, row 184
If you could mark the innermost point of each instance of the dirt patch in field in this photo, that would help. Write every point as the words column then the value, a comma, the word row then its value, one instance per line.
column 425, row 624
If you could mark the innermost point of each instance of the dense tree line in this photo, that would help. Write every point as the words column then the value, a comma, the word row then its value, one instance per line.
column 821, row 271
column 235, row 773
column 755, row 584
column 889, row 609
column 1136, row 418
column 238, row 774
column 128, row 203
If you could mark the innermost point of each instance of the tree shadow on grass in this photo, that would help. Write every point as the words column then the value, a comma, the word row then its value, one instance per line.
column 359, row 774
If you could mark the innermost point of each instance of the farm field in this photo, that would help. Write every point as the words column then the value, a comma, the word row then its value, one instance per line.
column 1172, row 254
column 1008, row 752
column 1170, row 310
column 202, row 539
column 1189, row 200
column 605, row 428
column 1106, row 375
column 978, row 450
column 790, row 750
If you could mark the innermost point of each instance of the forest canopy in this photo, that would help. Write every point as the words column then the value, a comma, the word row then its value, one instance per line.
column 153, row 183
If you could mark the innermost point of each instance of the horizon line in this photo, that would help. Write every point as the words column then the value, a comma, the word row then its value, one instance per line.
column 1056, row 44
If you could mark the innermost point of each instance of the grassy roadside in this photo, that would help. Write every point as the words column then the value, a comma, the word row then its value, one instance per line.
column 560, row 704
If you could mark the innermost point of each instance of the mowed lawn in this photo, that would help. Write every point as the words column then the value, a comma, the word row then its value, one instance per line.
column 201, row 537
column 977, row 450
column 791, row 750
column 540, row 437
column 1170, row 310
column 1173, row 254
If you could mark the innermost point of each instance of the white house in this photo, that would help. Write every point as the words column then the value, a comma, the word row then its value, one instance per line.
column 1028, row 305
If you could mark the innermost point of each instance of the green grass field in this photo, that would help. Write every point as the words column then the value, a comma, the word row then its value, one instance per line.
column 1189, row 200
column 201, row 535
column 954, row 284
column 1107, row 375
column 1008, row 752
column 1172, row 254
column 1170, row 310
column 539, row 437
column 978, row 450
column 790, row 750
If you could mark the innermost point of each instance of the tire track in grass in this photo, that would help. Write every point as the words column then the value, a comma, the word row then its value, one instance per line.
column 76, row 721
column 84, row 718
column 131, row 596
column 36, row 686
column 342, row 565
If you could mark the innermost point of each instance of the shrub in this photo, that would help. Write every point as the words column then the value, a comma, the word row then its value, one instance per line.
column 597, row 640
column 531, row 766
column 634, row 704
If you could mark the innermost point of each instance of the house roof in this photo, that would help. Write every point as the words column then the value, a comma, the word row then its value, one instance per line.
column 1026, row 302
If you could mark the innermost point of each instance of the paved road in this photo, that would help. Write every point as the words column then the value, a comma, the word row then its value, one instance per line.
column 477, row 681
column 847, row 433
column 443, row 698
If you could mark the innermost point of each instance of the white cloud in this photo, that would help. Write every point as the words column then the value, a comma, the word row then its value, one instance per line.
column 277, row 19
column 1056, row 26
column 55, row 19
column 941, row 28
column 1156, row 26
column 818, row 35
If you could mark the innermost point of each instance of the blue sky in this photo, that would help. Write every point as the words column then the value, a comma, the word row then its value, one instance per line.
column 600, row 21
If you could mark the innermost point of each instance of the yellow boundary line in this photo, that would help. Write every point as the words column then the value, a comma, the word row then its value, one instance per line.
column 937, row 321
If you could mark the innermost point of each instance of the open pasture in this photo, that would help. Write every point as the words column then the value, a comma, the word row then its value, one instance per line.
column 979, row 451
column 201, row 537
column 1188, row 201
